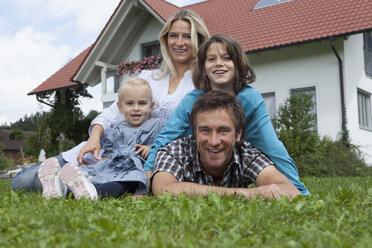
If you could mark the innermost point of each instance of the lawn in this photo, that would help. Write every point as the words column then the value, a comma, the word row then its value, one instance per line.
column 337, row 214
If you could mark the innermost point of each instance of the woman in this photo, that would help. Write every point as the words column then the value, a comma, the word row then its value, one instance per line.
column 223, row 65
column 180, row 39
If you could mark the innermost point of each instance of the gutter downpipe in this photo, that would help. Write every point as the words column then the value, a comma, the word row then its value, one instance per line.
column 41, row 101
column 343, row 108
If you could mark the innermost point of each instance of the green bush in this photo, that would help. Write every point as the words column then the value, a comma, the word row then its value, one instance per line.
column 295, row 125
column 315, row 156
column 66, row 145
column 33, row 146
column 5, row 163
column 333, row 158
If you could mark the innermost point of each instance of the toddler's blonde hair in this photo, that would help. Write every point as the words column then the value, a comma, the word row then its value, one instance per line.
column 133, row 82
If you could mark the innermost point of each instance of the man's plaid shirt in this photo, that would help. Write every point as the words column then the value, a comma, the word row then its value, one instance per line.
column 181, row 159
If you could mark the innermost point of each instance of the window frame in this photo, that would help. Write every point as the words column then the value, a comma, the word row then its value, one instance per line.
column 367, row 51
column 364, row 110
column 151, row 43
column 271, row 115
column 306, row 90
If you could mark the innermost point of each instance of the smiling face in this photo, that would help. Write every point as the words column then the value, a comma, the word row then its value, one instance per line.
column 136, row 105
column 215, row 139
column 220, row 68
column 179, row 42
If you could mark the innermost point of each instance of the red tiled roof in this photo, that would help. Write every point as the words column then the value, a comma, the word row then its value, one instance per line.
column 162, row 8
column 62, row 78
column 283, row 24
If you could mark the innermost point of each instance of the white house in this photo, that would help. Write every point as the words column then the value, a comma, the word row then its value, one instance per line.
column 319, row 46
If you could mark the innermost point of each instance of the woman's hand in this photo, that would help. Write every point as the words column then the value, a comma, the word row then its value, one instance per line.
column 93, row 144
column 142, row 150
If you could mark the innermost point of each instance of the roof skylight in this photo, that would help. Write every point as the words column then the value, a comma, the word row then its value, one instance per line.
column 183, row 3
column 267, row 3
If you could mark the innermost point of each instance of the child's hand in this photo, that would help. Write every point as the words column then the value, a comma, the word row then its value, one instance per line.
column 142, row 150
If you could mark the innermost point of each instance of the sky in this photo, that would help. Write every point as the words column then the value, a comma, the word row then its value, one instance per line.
column 37, row 38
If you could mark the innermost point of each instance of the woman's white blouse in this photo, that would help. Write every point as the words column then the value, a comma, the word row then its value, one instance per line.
column 164, row 106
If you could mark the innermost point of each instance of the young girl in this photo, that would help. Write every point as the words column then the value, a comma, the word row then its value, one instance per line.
column 124, row 150
column 223, row 65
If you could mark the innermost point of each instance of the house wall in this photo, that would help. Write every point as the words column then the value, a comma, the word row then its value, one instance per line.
column 307, row 65
column 355, row 78
column 315, row 65
column 150, row 34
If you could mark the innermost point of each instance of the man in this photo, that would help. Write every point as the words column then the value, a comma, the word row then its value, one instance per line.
column 215, row 158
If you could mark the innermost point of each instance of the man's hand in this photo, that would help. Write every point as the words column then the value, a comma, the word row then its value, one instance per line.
column 272, row 191
column 142, row 150
column 93, row 144
column 273, row 184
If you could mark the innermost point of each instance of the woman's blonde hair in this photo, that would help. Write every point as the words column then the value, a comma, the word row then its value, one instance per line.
column 133, row 82
column 199, row 34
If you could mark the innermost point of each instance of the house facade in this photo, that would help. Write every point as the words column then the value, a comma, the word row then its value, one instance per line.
column 314, row 68
column 12, row 148
column 318, row 46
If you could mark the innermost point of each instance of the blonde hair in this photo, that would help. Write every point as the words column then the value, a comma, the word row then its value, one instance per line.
column 199, row 35
column 131, row 83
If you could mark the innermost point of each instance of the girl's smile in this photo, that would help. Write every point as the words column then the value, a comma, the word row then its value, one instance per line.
column 220, row 68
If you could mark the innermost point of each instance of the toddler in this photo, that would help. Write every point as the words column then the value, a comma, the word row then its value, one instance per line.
column 124, row 149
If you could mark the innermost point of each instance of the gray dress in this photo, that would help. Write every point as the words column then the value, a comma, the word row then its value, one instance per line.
column 123, row 164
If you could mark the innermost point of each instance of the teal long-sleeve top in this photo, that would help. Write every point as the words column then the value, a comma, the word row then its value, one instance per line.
column 258, row 131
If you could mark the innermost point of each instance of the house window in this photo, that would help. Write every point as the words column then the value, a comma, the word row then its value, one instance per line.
column 368, row 53
column 310, row 91
column 364, row 110
column 150, row 49
column 270, row 103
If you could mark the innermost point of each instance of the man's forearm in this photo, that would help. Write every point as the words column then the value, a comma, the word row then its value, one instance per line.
column 274, row 191
column 192, row 189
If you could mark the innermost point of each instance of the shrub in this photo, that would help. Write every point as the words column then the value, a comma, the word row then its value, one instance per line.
column 5, row 163
column 33, row 146
column 66, row 145
column 333, row 158
column 295, row 127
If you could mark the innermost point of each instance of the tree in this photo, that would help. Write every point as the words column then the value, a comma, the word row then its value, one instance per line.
column 63, row 120
column 295, row 125
column 61, row 128
column 18, row 135
column 28, row 122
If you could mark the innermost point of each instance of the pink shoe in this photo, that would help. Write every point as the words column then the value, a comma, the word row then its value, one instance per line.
column 49, row 177
column 72, row 176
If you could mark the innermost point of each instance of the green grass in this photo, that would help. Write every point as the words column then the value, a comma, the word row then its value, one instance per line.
column 337, row 214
